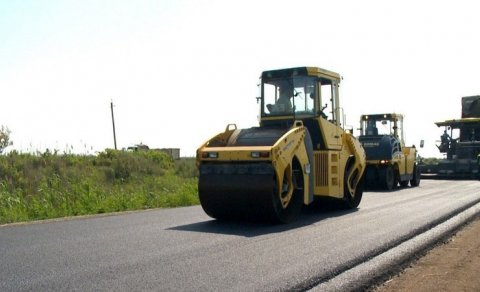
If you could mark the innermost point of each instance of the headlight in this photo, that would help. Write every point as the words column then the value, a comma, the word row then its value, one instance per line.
column 260, row 154
column 209, row 154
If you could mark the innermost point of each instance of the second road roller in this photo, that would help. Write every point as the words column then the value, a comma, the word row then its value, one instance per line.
column 299, row 152
column 389, row 161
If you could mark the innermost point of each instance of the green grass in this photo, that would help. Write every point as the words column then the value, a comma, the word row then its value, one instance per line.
column 429, row 160
column 50, row 185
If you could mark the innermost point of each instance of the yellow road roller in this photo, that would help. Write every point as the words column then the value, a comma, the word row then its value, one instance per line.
column 389, row 161
column 298, row 153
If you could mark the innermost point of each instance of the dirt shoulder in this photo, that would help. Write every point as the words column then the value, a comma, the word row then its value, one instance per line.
column 451, row 266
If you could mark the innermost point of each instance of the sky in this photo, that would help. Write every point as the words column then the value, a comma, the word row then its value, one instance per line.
column 179, row 71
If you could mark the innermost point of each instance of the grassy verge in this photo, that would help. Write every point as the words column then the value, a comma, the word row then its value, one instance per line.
column 50, row 185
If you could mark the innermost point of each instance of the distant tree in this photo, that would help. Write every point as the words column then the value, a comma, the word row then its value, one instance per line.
column 4, row 138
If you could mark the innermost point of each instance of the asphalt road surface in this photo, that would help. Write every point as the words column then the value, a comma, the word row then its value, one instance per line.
column 183, row 249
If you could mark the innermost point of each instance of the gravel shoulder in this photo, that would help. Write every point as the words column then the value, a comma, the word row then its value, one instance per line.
column 453, row 265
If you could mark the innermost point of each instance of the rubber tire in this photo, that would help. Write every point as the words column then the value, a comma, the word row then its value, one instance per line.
column 415, row 181
column 348, row 201
column 404, row 183
column 290, row 213
column 387, row 176
column 396, row 180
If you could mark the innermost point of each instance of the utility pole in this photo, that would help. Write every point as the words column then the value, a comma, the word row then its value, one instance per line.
column 113, row 123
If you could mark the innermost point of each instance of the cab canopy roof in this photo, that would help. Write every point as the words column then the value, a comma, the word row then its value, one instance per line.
column 302, row 71
column 390, row 117
column 458, row 123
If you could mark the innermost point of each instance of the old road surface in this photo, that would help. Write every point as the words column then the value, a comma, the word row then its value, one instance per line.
column 184, row 250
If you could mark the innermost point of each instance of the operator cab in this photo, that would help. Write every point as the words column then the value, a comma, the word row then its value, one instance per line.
column 299, row 93
column 461, row 138
column 381, row 135
column 381, row 125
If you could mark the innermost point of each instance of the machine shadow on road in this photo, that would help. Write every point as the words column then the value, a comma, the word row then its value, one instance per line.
column 311, row 214
column 380, row 190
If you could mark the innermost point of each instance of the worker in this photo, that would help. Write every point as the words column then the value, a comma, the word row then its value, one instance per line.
column 372, row 129
column 445, row 138
column 283, row 104
column 444, row 142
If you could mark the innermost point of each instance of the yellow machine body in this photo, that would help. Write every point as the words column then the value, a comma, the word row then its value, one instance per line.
column 299, row 152
column 389, row 161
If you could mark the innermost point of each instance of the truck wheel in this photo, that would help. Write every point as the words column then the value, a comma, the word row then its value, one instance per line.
column 286, row 208
column 415, row 182
column 396, row 178
column 351, row 201
column 387, row 177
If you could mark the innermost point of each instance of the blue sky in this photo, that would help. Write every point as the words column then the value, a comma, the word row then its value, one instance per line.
column 179, row 71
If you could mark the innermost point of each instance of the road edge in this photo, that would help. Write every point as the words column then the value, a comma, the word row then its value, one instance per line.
column 379, row 268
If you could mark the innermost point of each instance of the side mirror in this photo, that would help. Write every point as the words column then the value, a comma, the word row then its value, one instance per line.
column 422, row 143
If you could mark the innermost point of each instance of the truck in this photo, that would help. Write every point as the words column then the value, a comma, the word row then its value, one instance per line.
column 460, row 143
column 389, row 162
column 298, row 153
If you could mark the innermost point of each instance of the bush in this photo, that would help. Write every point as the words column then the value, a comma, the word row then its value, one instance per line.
column 186, row 168
column 49, row 185
column 430, row 160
